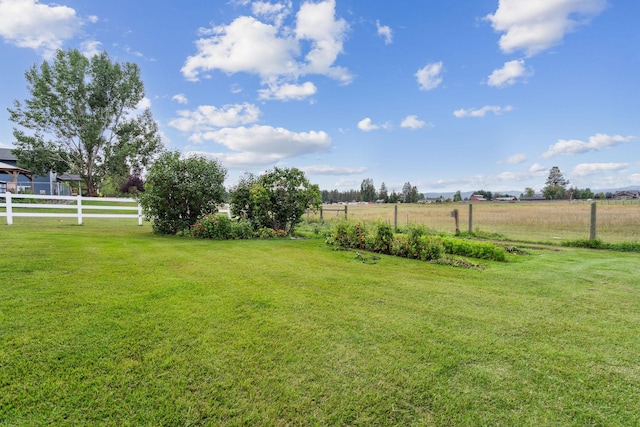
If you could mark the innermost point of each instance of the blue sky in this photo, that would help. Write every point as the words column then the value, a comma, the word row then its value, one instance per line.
column 447, row 95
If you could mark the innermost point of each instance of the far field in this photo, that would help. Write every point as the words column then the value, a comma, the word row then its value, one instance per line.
column 617, row 221
column 109, row 324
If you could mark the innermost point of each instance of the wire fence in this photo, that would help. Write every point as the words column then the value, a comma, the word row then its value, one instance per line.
column 614, row 220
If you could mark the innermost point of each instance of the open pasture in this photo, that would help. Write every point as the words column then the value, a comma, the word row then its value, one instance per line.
column 108, row 324
column 526, row 221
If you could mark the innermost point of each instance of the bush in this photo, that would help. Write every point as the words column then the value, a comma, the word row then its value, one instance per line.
column 481, row 250
column 383, row 238
column 270, row 233
column 220, row 227
column 599, row 244
column 348, row 235
column 179, row 191
column 133, row 184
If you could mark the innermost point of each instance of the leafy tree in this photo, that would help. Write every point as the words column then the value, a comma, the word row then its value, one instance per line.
column 181, row 190
column 281, row 197
column 529, row 192
column 383, row 194
column 134, row 184
column 367, row 191
column 457, row 197
column 556, row 185
column 81, row 119
column 409, row 193
column 241, row 203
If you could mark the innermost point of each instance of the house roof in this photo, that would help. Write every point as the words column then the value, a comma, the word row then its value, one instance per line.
column 68, row 177
column 6, row 154
column 7, row 168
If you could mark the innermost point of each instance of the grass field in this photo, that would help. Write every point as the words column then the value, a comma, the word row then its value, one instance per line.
column 109, row 324
column 525, row 221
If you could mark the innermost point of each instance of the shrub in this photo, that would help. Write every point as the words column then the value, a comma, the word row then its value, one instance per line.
column 270, row 233
column 599, row 244
column 383, row 238
column 348, row 235
column 482, row 250
column 179, row 191
column 220, row 227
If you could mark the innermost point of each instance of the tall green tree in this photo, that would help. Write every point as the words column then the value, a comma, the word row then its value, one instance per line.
column 409, row 193
column 81, row 119
column 367, row 191
column 179, row 191
column 457, row 197
column 281, row 197
column 556, row 185
column 383, row 193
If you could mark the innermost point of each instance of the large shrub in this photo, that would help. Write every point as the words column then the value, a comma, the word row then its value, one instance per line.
column 179, row 190
column 277, row 199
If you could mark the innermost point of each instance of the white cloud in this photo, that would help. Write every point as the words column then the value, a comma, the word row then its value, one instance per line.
column 332, row 170
column 596, row 142
column 274, row 12
column 316, row 23
column 534, row 26
column 537, row 167
column 516, row 159
column 288, row 91
column 180, row 98
column 91, row 48
column 412, row 122
column 209, row 117
column 143, row 104
column 481, row 112
column 43, row 27
column 245, row 45
column 276, row 53
column 367, row 125
column 385, row 32
column 429, row 76
column 259, row 145
column 585, row 169
column 509, row 74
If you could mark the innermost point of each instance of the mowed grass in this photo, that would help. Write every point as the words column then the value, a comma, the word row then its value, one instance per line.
column 525, row 221
column 109, row 324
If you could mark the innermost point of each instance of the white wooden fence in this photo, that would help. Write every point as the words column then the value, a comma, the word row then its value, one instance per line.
column 64, row 204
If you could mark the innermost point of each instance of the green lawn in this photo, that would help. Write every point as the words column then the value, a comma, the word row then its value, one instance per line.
column 107, row 323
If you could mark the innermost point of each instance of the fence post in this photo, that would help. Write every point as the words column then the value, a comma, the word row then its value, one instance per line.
column 345, row 212
column 470, row 218
column 9, row 209
column 395, row 218
column 79, row 209
column 592, row 231
column 321, row 220
column 454, row 214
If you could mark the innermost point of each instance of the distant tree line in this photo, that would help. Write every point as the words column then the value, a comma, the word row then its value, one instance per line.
column 368, row 193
